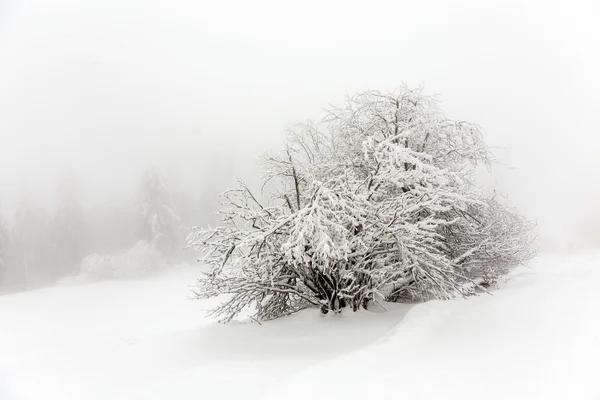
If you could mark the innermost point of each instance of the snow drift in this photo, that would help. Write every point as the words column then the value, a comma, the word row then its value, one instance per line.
column 537, row 338
column 142, row 259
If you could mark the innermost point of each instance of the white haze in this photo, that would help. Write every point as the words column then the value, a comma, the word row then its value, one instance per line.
column 102, row 88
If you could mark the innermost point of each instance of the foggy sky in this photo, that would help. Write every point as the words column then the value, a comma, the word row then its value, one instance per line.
column 105, row 87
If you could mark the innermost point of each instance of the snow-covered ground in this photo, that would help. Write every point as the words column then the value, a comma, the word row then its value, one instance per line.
column 538, row 337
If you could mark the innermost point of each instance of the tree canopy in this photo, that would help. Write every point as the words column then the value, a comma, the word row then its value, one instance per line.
column 379, row 202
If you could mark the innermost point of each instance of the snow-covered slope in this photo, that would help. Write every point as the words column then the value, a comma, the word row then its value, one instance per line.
column 536, row 338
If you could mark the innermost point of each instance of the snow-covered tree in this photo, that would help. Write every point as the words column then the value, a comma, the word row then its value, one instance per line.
column 380, row 204
column 31, row 237
column 217, row 175
column 70, row 233
column 159, row 221
column 5, row 245
column 113, row 225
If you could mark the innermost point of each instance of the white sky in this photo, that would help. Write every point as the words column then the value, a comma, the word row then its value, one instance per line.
column 103, row 87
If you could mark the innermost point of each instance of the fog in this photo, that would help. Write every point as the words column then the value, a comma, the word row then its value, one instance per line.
column 100, row 90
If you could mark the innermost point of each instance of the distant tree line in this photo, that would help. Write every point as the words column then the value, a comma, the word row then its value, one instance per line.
column 39, row 247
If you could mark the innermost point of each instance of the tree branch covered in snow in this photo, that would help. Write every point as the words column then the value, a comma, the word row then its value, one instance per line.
column 380, row 205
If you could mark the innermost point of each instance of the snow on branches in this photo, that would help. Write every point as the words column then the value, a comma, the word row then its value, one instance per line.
column 380, row 205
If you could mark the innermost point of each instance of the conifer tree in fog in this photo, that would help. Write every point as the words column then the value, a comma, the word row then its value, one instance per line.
column 31, row 253
column 378, row 203
column 69, row 229
column 217, row 176
column 159, row 222
column 5, row 245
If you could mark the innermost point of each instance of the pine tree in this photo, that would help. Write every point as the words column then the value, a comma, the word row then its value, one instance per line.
column 30, row 235
column 70, row 233
column 159, row 221
column 212, row 184
column 5, row 245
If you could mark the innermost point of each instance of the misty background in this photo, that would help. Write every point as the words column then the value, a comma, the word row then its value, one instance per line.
column 93, row 93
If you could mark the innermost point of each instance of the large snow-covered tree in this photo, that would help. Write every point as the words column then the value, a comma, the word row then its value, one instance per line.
column 158, row 220
column 378, row 203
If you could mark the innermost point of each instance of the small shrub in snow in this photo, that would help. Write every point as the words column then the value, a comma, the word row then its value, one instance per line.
column 98, row 266
column 380, row 205
column 142, row 259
